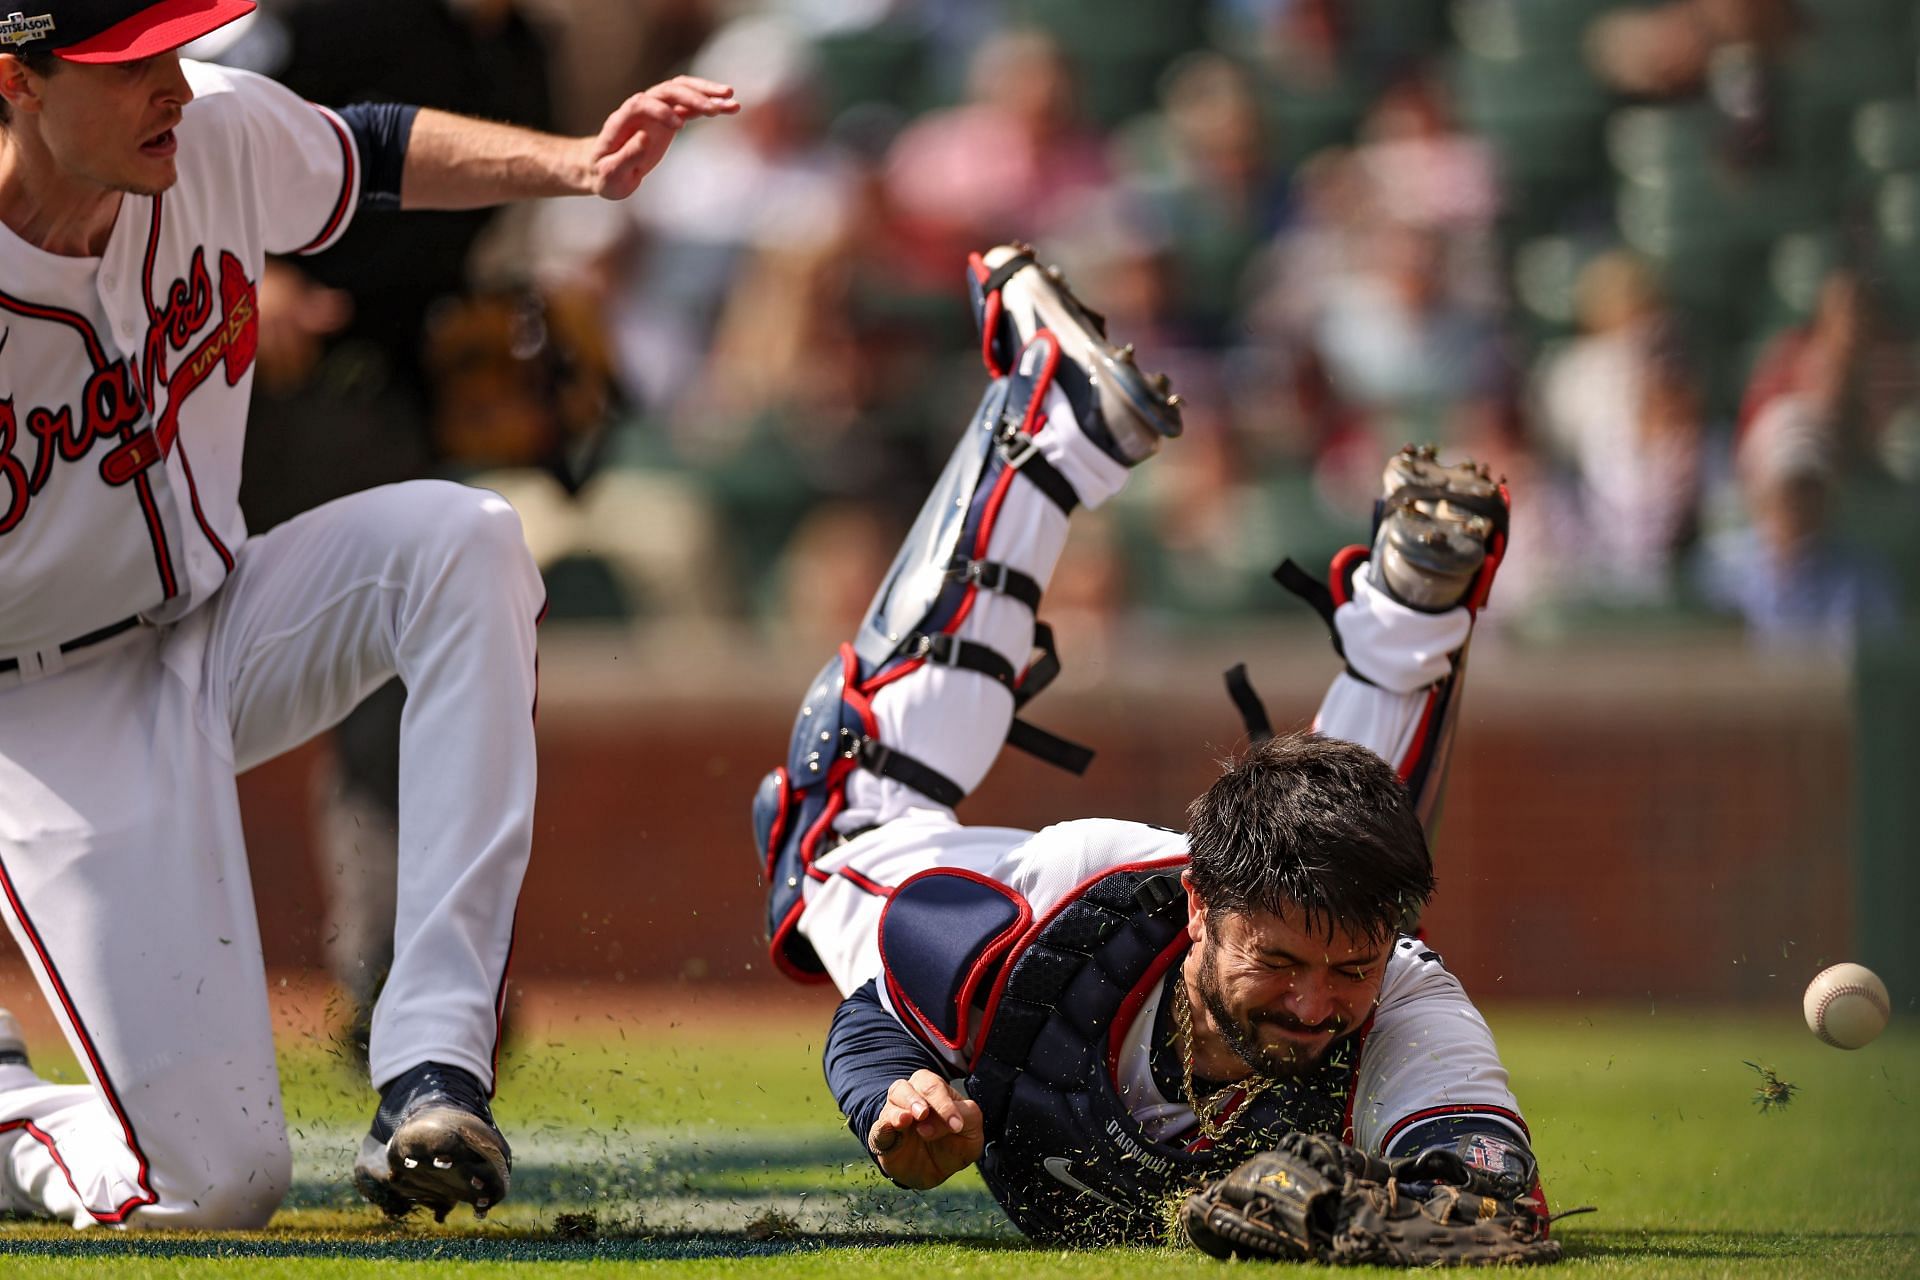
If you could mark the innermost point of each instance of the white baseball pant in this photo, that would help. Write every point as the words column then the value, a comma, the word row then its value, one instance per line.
column 124, row 879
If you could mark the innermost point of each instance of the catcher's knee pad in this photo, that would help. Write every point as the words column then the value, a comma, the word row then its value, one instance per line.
column 911, row 624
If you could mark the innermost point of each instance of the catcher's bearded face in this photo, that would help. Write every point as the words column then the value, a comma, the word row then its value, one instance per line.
column 1273, row 994
column 111, row 124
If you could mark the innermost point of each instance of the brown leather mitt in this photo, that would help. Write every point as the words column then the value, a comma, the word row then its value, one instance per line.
column 1313, row 1198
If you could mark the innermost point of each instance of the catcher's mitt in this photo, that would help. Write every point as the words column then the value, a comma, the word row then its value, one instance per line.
column 1314, row 1198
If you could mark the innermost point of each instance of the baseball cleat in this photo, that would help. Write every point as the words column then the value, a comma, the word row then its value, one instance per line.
column 1124, row 410
column 1434, row 528
column 13, row 1042
column 433, row 1143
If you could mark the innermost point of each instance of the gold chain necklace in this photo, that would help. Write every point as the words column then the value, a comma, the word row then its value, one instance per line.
column 1210, row 1128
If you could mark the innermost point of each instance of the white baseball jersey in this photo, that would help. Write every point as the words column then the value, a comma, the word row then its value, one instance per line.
column 124, row 379
column 1427, row 1051
column 124, row 879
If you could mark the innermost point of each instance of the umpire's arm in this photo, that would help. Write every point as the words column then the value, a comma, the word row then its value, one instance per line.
column 456, row 162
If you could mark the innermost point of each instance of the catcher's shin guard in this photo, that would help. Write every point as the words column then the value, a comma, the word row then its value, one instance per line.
column 912, row 624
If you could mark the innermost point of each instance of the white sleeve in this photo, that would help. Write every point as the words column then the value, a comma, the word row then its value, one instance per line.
column 1428, row 1055
column 1046, row 868
column 300, row 157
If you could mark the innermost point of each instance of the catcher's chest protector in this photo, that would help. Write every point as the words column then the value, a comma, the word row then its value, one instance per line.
column 1044, row 1009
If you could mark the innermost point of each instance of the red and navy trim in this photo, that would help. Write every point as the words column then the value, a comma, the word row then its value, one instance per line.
column 1353, row 1080
column 865, row 884
column 1406, row 1122
column 990, row 956
column 96, row 1071
column 1033, row 931
column 1123, row 1018
column 349, row 185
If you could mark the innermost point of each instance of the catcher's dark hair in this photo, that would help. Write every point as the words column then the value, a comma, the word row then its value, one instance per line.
column 1313, row 827
column 42, row 63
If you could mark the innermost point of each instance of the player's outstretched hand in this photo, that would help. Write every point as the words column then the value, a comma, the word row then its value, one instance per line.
column 637, row 134
column 927, row 1132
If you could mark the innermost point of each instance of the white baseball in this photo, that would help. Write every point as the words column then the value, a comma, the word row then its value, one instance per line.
column 1847, row 1006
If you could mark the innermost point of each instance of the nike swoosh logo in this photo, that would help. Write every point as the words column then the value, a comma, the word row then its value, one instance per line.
column 1062, row 1169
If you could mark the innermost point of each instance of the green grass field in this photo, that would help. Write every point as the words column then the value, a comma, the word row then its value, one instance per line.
column 717, row 1151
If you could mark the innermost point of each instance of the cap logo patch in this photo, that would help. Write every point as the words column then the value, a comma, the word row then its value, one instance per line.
column 19, row 29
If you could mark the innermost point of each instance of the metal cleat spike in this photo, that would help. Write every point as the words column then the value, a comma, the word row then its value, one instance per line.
column 1174, row 402
column 410, row 1162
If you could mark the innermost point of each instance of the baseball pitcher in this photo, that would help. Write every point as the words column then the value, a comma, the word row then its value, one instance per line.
column 149, row 650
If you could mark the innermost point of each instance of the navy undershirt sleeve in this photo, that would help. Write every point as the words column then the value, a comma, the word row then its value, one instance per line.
column 380, row 133
column 1489, row 1144
column 867, row 1050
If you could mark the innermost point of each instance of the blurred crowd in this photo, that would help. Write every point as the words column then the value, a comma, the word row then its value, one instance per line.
column 1657, row 263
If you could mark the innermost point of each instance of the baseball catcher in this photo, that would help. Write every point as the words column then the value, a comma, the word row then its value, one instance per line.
column 1104, row 1016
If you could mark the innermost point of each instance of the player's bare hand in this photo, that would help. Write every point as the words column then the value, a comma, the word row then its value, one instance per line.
column 637, row 134
column 927, row 1132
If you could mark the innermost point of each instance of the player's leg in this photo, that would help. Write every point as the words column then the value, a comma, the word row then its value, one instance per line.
column 1403, row 612
column 124, row 880
column 431, row 582
column 908, row 718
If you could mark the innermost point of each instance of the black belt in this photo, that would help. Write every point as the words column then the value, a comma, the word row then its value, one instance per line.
column 107, row 632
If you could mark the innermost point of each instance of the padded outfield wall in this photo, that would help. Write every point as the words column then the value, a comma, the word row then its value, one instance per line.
column 1644, row 820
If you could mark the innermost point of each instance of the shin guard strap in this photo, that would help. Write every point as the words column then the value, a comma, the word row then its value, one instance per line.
column 946, row 650
column 1019, row 451
column 1050, row 747
column 900, row 767
column 1317, row 594
column 991, row 575
column 1042, row 671
column 1253, row 712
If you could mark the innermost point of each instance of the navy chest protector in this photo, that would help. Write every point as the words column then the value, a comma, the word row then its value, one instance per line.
column 1041, row 1009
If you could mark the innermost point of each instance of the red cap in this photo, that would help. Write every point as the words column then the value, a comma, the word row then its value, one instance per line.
column 144, row 30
